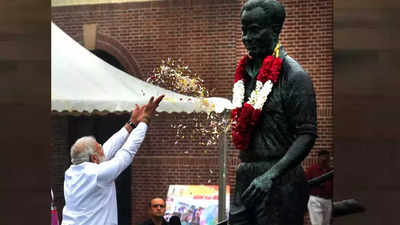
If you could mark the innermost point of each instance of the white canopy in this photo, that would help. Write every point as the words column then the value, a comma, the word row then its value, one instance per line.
column 82, row 82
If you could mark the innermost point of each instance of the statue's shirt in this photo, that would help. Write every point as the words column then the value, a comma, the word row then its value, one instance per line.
column 289, row 111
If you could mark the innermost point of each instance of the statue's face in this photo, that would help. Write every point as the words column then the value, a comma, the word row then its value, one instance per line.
column 257, row 34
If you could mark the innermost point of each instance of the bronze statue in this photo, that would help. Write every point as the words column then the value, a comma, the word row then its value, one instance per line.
column 274, row 123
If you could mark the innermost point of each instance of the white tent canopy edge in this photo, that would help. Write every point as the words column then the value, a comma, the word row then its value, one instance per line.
column 82, row 82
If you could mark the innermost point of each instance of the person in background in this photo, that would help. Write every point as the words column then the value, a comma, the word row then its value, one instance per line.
column 174, row 220
column 156, row 211
column 320, row 201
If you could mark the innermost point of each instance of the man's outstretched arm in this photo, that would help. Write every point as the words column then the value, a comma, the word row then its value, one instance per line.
column 115, row 142
column 109, row 170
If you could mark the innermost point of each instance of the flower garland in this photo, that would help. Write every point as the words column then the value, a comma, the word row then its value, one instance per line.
column 246, row 115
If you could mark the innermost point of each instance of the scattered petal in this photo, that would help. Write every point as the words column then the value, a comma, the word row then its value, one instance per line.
column 176, row 76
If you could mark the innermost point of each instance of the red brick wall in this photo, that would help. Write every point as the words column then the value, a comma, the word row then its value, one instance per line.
column 206, row 34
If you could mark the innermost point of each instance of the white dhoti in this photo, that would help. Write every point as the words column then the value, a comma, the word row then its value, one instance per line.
column 320, row 210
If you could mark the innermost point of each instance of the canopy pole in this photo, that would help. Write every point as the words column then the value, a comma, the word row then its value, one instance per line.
column 222, row 170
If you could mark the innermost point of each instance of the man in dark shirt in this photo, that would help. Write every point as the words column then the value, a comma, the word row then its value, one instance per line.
column 156, row 211
column 320, row 202
column 271, row 187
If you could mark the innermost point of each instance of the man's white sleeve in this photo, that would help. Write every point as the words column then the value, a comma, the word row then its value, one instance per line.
column 115, row 142
column 109, row 170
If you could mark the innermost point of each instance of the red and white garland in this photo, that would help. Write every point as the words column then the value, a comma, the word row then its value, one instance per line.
column 246, row 115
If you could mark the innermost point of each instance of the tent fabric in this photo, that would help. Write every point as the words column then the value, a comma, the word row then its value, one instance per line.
column 82, row 82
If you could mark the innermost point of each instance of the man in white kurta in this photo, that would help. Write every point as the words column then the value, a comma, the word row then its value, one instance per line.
column 89, row 187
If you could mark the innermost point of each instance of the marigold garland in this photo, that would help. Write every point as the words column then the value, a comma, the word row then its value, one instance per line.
column 245, row 115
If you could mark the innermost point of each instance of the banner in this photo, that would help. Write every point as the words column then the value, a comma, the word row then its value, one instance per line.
column 194, row 204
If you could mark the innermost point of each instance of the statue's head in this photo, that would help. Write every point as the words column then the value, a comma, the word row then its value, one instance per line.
column 262, row 21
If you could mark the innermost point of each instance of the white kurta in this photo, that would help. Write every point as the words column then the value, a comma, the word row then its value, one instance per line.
column 89, row 188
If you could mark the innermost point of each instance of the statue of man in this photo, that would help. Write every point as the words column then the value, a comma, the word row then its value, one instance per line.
column 274, row 123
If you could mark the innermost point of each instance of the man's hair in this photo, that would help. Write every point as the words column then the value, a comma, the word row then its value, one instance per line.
column 82, row 149
column 272, row 8
column 155, row 198
column 323, row 152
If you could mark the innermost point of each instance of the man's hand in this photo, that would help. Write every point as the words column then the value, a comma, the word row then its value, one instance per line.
column 138, row 110
column 259, row 188
column 143, row 113
column 149, row 109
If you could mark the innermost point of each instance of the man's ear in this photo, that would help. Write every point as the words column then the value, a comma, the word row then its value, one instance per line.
column 94, row 159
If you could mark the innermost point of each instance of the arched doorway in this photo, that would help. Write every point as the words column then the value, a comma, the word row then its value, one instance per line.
column 110, row 59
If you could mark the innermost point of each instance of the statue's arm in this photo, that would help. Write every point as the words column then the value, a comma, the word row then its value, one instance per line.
column 293, row 157
column 261, row 186
column 300, row 108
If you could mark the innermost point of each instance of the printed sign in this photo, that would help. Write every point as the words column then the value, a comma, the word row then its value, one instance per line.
column 194, row 204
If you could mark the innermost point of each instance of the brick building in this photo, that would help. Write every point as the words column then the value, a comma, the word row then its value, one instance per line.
column 206, row 34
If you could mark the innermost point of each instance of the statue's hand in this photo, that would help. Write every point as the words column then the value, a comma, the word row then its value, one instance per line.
column 259, row 188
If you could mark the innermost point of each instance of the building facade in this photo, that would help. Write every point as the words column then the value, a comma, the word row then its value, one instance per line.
column 206, row 35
